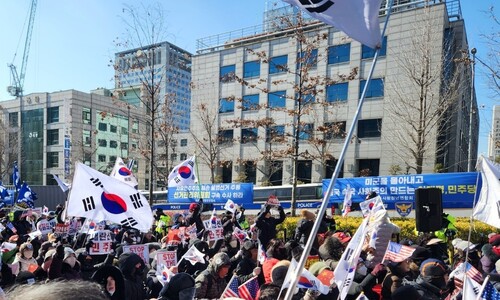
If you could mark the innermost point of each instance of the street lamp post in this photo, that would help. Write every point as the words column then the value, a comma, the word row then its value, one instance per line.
column 473, row 51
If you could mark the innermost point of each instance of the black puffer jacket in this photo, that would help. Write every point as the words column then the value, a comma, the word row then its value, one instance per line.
column 134, row 285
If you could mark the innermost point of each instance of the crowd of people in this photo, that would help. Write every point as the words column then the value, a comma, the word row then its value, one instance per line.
column 51, row 265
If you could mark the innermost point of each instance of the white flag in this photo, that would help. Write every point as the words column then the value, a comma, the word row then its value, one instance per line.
column 123, row 173
column 64, row 186
column 371, row 206
column 193, row 255
column 99, row 197
column 183, row 174
column 487, row 208
column 230, row 206
column 357, row 18
column 471, row 289
column 346, row 267
column 346, row 207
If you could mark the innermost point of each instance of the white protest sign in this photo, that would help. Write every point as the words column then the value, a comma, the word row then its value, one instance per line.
column 216, row 233
column 166, row 258
column 141, row 250
column 102, row 242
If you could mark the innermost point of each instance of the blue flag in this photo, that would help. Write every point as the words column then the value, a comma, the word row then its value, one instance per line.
column 16, row 179
column 27, row 196
column 3, row 192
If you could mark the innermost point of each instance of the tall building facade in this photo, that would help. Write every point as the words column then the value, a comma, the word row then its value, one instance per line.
column 46, row 133
column 164, row 65
column 494, row 137
column 255, row 112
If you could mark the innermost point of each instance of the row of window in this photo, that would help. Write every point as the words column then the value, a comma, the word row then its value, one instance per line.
column 52, row 116
column 112, row 144
column 279, row 64
column 370, row 128
column 334, row 93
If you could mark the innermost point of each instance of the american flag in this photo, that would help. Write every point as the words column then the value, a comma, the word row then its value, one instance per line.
column 231, row 289
column 473, row 272
column 249, row 289
column 397, row 252
column 490, row 292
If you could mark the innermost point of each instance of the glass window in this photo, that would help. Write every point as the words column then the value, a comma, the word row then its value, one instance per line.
column 337, row 92
column 113, row 144
column 225, row 136
column 102, row 143
column 304, row 171
column 135, row 127
column 278, row 64
column 368, row 167
column 251, row 69
column 184, row 142
column 250, row 171
column 183, row 156
column 173, row 156
column 124, row 130
column 13, row 119
column 112, row 158
column 307, row 59
column 113, row 128
column 86, row 138
column 308, row 97
column 103, row 126
column 52, row 114
column 276, row 177
column 123, row 146
column 227, row 73
column 275, row 133
column 334, row 130
column 101, row 158
column 367, row 52
column 52, row 137
column 306, row 131
column 226, row 105
column 86, row 116
column 375, row 88
column 339, row 53
column 369, row 128
column 276, row 99
column 52, row 159
column 250, row 102
column 248, row 135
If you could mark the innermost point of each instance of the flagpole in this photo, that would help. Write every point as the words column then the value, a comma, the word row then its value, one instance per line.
column 471, row 221
column 326, row 195
column 197, row 175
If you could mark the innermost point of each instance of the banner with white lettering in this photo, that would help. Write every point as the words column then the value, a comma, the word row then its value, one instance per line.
column 102, row 242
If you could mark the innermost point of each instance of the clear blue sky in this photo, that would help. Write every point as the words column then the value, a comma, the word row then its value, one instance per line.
column 72, row 40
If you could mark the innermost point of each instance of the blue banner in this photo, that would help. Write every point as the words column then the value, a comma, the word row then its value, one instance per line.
column 240, row 193
column 458, row 188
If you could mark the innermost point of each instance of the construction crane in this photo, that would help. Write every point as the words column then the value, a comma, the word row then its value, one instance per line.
column 17, row 79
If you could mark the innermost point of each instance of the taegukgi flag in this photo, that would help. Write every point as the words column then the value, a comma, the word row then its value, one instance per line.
column 123, row 173
column 183, row 173
column 357, row 18
column 99, row 197
column 487, row 208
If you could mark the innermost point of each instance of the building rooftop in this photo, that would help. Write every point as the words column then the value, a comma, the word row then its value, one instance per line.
column 270, row 27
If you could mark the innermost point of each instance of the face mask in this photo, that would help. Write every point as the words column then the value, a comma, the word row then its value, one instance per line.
column 70, row 261
column 233, row 244
column 111, row 292
column 28, row 254
column 187, row 294
column 362, row 270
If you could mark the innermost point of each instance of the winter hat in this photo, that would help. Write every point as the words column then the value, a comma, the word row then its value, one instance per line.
column 433, row 268
column 25, row 277
column 330, row 245
column 177, row 283
column 278, row 272
column 220, row 259
column 49, row 254
column 317, row 267
column 67, row 252
column 25, row 246
column 407, row 292
column 494, row 240
column 193, row 206
column 420, row 254
column 343, row 238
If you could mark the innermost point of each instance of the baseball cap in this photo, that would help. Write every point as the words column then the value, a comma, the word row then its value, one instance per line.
column 343, row 238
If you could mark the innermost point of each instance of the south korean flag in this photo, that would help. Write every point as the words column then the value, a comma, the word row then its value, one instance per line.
column 123, row 173
column 183, row 173
column 102, row 198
